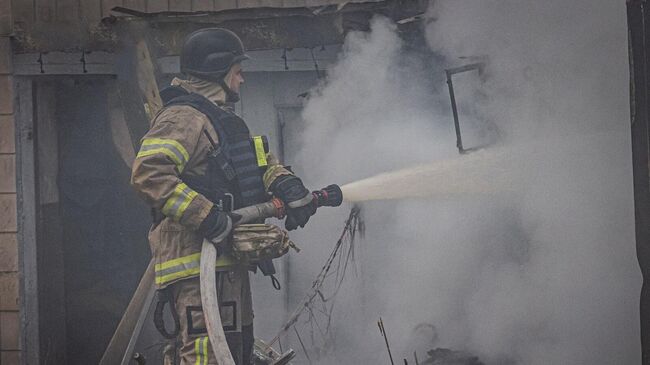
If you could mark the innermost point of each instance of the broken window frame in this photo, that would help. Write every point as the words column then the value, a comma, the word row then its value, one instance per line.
column 480, row 67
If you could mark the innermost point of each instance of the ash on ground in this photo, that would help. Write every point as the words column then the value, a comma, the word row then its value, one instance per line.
column 441, row 356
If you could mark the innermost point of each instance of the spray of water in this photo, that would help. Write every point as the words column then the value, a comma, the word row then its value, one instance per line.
column 481, row 172
column 498, row 170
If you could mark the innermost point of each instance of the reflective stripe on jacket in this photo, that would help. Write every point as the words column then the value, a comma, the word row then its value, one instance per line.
column 188, row 266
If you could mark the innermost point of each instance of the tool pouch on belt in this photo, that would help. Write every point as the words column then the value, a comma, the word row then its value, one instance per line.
column 255, row 242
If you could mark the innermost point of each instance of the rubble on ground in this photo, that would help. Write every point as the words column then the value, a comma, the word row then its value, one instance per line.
column 442, row 356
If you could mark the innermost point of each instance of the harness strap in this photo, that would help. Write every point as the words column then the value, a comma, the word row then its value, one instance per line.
column 238, row 155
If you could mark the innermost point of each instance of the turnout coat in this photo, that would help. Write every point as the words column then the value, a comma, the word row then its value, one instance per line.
column 177, row 145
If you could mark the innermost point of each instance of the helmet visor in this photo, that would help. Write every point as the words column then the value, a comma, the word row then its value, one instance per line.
column 241, row 58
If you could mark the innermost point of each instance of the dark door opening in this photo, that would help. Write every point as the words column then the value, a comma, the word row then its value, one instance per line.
column 91, row 231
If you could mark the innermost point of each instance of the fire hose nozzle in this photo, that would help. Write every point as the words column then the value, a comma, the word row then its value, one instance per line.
column 330, row 196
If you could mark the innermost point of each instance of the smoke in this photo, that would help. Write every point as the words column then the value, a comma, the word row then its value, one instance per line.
column 543, row 275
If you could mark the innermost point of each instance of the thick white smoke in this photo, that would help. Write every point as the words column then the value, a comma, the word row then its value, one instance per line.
column 544, row 275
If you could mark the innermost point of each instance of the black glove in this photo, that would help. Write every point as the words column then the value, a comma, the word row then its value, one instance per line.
column 217, row 225
column 299, row 216
column 297, row 199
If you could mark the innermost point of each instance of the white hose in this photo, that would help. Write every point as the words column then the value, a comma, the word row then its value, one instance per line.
column 208, row 277
column 210, row 304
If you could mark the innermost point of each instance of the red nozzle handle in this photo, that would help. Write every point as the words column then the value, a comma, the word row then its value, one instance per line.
column 280, row 209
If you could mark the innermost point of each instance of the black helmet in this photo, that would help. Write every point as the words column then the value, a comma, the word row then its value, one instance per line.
column 209, row 53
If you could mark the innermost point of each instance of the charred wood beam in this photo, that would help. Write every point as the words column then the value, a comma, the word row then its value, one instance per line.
column 167, row 34
column 394, row 9
column 64, row 37
column 260, row 28
column 135, row 83
column 257, row 34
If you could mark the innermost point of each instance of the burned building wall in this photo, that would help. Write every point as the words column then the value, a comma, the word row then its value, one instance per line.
column 9, row 263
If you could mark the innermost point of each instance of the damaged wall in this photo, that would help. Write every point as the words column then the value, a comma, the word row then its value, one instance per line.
column 66, row 25
column 9, row 280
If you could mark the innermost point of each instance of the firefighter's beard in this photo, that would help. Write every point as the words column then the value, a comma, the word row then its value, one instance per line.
column 231, row 95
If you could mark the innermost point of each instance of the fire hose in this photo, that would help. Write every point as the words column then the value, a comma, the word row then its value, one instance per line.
column 330, row 196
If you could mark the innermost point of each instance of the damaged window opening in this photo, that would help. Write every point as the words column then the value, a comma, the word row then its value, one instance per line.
column 479, row 67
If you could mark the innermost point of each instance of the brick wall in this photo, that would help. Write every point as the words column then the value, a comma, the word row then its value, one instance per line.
column 9, row 319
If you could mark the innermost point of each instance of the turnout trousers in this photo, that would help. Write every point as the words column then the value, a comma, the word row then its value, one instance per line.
column 234, row 294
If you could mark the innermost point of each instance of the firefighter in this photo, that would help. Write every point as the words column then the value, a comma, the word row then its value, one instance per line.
column 197, row 163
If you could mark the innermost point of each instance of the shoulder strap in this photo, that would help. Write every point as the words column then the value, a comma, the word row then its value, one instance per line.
column 227, row 124
column 171, row 92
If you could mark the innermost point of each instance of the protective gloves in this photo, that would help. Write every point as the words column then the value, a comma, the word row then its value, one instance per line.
column 298, row 200
column 217, row 225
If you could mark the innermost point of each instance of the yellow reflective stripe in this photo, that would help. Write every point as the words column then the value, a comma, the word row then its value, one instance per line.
column 201, row 350
column 187, row 266
column 168, row 147
column 160, row 280
column 197, row 351
column 161, row 141
column 205, row 349
column 179, row 268
column 259, row 151
column 178, row 202
column 179, row 261
column 165, row 152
